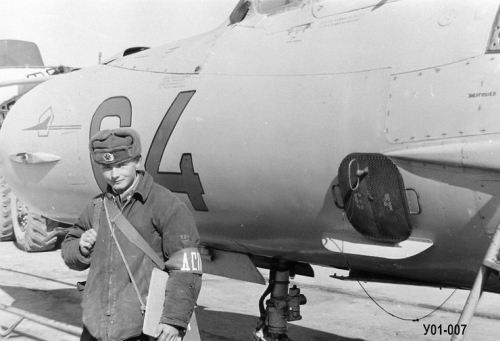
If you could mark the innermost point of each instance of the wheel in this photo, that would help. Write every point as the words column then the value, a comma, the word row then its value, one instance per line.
column 31, row 230
column 6, row 232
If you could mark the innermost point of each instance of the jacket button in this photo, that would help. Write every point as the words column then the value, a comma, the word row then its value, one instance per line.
column 111, row 322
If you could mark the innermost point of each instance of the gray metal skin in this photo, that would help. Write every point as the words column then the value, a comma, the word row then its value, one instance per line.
column 271, row 106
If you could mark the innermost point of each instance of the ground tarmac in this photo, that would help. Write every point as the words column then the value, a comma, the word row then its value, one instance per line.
column 41, row 284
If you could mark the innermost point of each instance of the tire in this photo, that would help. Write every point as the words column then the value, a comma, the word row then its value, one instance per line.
column 31, row 230
column 6, row 232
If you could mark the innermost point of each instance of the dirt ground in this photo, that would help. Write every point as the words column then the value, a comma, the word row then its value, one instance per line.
column 336, row 310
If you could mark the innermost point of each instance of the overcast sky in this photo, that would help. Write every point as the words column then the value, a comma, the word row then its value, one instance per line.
column 73, row 32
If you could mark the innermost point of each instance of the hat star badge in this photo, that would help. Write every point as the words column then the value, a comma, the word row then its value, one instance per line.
column 108, row 157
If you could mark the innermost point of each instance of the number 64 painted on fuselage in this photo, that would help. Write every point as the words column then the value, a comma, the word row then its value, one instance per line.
column 187, row 181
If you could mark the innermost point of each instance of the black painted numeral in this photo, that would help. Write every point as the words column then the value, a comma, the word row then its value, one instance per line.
column 112, row 107
column 187, row 181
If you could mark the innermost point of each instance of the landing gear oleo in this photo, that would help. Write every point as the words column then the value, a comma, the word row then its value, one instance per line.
column 282, row 307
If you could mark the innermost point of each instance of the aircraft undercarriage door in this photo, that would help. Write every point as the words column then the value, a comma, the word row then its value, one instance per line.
column 374, row 197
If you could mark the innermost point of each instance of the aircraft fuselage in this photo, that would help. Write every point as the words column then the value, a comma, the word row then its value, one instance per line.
column 248, row 124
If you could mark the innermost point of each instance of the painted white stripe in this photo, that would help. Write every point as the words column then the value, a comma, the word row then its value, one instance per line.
column 348, row 243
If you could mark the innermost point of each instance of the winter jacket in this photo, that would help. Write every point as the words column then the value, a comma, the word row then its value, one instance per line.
column 111, row 308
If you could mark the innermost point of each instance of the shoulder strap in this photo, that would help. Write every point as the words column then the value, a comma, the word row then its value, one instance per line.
column 116, row 217
column 136, row 288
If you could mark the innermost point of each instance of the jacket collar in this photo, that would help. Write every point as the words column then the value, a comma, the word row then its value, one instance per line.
column 142, row 189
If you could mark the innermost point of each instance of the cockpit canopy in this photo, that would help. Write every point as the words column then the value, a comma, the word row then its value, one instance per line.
column 268, row 6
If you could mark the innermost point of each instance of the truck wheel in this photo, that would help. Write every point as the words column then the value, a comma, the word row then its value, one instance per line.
column 6, row 232
column 30, row 229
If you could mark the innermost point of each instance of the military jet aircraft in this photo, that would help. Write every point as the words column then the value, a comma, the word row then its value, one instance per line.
column 21, row 66
column 360, row 135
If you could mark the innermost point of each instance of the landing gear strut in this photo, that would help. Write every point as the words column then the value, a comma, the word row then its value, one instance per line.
column 282, row 307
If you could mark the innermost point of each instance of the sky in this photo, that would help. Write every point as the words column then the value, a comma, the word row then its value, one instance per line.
column 74, row 32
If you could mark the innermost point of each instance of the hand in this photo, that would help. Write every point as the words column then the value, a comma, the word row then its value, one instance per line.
column 168, row 333
column 87, row 241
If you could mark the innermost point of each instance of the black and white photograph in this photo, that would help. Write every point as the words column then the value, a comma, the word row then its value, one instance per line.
column 249, row 170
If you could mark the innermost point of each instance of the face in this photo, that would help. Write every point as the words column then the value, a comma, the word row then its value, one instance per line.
column 120, row 176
